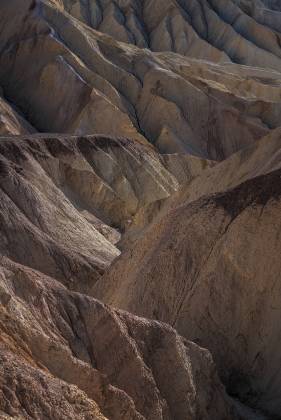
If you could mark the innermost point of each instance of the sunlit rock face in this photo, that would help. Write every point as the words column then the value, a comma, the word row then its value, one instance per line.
column 65, row 77
column 140, row 220
column 65, row 202
column 242, row 31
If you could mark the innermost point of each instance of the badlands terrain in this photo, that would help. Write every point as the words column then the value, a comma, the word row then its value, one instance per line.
column 140, row 209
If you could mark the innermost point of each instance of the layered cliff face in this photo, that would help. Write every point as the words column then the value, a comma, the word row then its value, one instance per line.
column 140, row 220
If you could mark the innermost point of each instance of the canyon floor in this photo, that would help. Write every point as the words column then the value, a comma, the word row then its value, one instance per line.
column 140, row 209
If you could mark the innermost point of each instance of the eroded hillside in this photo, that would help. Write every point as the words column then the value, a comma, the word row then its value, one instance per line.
column 65, row 77
column 140, row 158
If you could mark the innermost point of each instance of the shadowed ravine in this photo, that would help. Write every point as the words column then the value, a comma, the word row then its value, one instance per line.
column 140, row 198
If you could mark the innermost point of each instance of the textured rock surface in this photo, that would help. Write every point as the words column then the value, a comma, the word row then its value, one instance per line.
column 242, row 31
column 54, row 363
column 176, row 103
column 11, row 123
column 258, row 159
column 159, row 196
column 66, row 201
column 218, row 260
column 53, row 341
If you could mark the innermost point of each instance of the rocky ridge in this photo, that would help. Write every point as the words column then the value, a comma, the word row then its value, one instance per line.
column 57, row 213
column 67, row 346
column 218, row 259
column 69, row 200
column 244, row 31
column 176, row 103
column 140, row 209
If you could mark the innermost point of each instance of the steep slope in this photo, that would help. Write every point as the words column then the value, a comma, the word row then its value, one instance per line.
column 262, row 157
column 11, row 123
column 211, row 269
column 154, row 187
column 242, row 31
column 65, row 355
column 178, row 104
column 64, row 201
column 59, row 198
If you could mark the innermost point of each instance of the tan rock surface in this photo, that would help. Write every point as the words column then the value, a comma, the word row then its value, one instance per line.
column 66, row 200
column 65, row 355
column 242, row 31
column 106, row 87
column 211, row 269
column 260, row 158
column 54, row 339
column 153, row 186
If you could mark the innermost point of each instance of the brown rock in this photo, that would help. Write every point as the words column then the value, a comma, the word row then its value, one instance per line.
column 210, row 269
column 66, row 355
column 160, row 195
column 60, row 199
column 11, row 123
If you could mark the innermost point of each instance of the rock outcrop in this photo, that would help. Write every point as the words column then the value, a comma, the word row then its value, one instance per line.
column 210, row 269
column 11, row 122
column 68, row 199
column 65, row 355
column 140, row 166
column 178, row 104
column 242, row 31
column 261, row 158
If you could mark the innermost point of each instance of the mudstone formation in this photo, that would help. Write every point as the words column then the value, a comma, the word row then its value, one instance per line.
column 140, row 209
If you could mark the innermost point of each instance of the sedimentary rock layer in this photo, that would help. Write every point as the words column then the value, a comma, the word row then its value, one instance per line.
column 211, row 269
column 241, row 31
column 65, row 201
column 65, row 355
column 154, row 187
column 66, row 77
